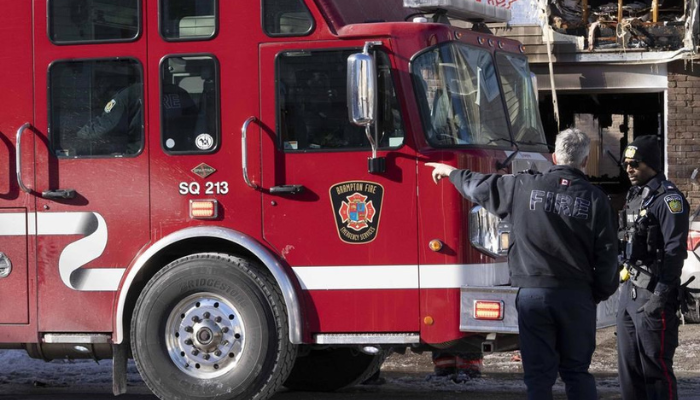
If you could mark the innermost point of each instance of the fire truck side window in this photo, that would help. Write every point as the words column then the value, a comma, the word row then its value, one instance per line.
column 286, row 18
column 312, row 103
column 95, row 108
column 88, row 21
column 189, row 104
column 188, row 19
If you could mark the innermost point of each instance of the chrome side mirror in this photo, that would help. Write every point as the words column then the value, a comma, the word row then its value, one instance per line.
column 362, row 88
column 362, row 99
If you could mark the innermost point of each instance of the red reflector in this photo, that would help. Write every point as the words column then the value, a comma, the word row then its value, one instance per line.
column 693, row 240
column 203, row 209
column 489, row 310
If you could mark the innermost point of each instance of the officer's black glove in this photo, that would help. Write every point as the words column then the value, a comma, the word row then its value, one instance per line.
column 653, row 306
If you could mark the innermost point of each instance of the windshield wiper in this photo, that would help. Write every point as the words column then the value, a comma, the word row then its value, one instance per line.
column 512, row 143
column 507, row 161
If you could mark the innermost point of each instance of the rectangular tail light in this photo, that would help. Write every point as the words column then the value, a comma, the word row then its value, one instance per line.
column 489, row 310
column 204, row 209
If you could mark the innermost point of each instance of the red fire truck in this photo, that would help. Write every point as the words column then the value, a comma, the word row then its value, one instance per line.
column 233, row 193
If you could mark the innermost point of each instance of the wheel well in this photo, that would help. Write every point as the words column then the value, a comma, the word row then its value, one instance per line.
column 171, row 253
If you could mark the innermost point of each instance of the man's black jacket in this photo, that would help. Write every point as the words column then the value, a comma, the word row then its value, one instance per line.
column 563, row 233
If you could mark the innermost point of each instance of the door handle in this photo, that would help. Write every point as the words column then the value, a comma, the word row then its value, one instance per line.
column 58, row 194
column 244, row 151
column 287, row 189
column 18, row 157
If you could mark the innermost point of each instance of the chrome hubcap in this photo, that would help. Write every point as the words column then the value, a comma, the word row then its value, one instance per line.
column 205, row 335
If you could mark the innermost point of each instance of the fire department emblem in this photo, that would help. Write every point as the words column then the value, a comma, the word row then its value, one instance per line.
column 357, row 212
column 356, row 207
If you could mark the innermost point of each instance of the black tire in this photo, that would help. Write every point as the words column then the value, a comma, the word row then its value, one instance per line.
column 332, row 369
column 211, row 326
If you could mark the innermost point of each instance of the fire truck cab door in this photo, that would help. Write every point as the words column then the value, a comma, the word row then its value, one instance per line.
column 16, row 205
column 348, row 235
column 91, row 158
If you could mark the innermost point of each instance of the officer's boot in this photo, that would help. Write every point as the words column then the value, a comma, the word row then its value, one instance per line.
column 445, row 365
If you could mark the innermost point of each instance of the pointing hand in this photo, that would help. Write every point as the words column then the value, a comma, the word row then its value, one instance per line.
column 440, row 170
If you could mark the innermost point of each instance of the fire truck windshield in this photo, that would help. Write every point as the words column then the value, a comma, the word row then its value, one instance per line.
column 462, row 102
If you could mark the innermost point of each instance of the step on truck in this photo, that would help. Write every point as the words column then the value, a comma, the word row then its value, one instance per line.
column 233, row 193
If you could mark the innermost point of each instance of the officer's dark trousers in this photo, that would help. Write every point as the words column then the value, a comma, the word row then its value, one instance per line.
column 645, row 348
column 557, row 333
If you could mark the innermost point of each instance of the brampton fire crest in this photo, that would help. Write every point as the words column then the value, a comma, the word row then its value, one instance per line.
column 357, row 206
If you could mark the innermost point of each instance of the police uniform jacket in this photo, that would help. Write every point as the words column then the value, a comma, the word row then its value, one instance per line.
column 563, row 233
column 658, row 205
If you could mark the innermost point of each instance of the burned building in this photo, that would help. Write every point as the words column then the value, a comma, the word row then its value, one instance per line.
column 617, row 70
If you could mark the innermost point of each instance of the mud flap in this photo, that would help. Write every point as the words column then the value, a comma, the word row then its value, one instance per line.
column 119, row 359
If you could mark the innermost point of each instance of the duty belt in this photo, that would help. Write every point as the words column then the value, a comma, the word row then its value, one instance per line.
column 641, row 276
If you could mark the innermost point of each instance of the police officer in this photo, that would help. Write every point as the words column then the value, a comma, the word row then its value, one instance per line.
column 654, row 229
column 563, row 256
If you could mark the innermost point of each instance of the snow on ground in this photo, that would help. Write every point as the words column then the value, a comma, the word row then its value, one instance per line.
column 17, row 368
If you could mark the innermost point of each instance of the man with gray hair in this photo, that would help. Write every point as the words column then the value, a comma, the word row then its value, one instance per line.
column 562, row 256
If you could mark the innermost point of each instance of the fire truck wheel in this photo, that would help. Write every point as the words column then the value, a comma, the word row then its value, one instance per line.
column 211, row 326
column 332, row 369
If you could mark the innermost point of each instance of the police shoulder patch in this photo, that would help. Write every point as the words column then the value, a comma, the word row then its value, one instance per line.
column 110, row 106
column 674, row 202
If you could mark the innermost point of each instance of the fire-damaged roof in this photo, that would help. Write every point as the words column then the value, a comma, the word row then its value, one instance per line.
column 635, row 25
column 643, row 31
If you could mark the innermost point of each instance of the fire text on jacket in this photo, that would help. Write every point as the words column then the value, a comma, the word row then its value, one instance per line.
column 560, row 203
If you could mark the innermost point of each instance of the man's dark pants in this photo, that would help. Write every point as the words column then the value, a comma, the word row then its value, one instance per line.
column 557, row 334
column 646, row 346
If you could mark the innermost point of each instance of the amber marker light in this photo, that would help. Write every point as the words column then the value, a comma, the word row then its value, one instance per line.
column 505, row 240
column 435, row 245
column 428, row 320
column 204, row 209
column 488, row 310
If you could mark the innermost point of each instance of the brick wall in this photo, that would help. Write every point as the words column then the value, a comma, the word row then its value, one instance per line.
column 683, row 133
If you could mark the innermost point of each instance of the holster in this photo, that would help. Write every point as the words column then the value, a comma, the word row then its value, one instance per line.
column 641, row 276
